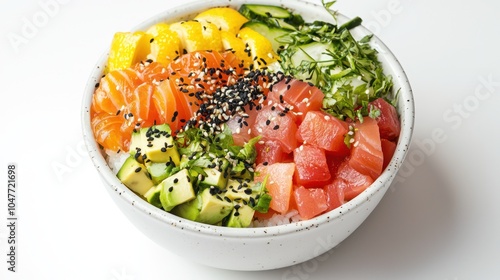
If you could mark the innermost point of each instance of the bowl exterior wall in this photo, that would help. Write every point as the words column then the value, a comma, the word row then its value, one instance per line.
column 244, row 253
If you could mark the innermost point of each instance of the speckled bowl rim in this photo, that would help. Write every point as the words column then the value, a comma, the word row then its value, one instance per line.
column 380, row 185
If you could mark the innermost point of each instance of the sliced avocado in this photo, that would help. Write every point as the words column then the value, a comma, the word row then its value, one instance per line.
column 216, row 176
column 158, row 144
column 241, row 216
column 136, row 147
column 249, row 193
column 213, row 177
column 189, row 210
column 134, row 175
column 214, row 207
column 208, row 207
column 157, row 170
column 239, row 189
column 176, row 190
column 153, row 196
column 241, row 172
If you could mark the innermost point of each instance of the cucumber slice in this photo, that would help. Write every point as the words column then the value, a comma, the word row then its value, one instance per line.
column 272, row 15
column 301, row 56
column 255, row 11
column 270, row 32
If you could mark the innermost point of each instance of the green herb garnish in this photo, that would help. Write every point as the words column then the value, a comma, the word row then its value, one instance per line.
column 345, row 69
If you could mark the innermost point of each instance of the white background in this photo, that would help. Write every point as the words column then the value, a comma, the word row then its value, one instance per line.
column 440, row 220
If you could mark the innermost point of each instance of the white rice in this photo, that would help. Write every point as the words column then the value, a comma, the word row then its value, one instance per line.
column 279, row 219
column 115, row 160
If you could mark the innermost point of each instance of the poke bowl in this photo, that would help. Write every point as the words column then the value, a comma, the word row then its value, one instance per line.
column 299, row 196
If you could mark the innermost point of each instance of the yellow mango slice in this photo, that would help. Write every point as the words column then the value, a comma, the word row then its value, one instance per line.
column 127, row 49
column 232, row 43
column 226, row 19
column 166, row 45
column 261, row 49
column 197, row 36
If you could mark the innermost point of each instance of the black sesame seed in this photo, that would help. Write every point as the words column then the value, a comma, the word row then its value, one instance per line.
column 138, row 169
column 170, row 189
column 276, row 127
column 174, row 116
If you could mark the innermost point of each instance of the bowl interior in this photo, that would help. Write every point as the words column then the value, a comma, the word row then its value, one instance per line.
column 310, row 12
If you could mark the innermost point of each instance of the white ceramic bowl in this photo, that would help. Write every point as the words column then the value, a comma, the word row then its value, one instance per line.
column 254, row 248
